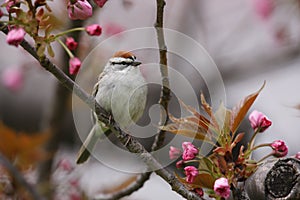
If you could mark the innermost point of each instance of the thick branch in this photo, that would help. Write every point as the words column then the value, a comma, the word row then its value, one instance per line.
column 19, row 178
column 59, row 111
column 131, row 144
column 275, row 179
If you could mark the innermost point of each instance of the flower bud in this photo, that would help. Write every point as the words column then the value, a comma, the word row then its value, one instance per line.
column 74, row 65
column 259, row 121
column 15, row 36
column 81, row 9
column 71, row 43
column 174, row 152
column 279, row 148
column 1, row 13
column 179, row 164
column 199, row 191
column 12, row 78
column 93, row 30
column 264, row 8
column 297, row 155
column 191, row 172
column 222, row 188
column 189, row 151
column 100, row 3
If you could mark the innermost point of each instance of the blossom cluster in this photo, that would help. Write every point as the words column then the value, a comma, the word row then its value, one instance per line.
column 34, row 22
column 221, row 163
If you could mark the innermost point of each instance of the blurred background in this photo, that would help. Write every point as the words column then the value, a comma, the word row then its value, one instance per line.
column 249, row 41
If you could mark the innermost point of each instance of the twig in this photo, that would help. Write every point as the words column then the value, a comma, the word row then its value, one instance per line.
column 130, row 143
column 19, row 177
column 165, row 90
column 163, row 101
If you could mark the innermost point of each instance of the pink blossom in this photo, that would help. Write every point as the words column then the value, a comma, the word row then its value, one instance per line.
column 279, row 148
column 191, row 172
column 174, row 152
column 74, row 65
column 259, row 121
column 100, row 3
column 189, row 151
column 264, row 8
column 297, row 155
column 93, row 29
column 15, row 36
column 10, row 4
column 81, row 9
column 113, row 29
column 179, row 164
column 199, row 191
column 71, row 43
column 75, row 196
column 12, row 78
column 222, row 188
column 65, row 165
column 1, row 13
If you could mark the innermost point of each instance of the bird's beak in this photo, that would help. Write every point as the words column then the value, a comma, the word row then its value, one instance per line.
column 136, row 63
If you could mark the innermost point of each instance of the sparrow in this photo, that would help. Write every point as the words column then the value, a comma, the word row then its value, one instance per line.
column 122, row 91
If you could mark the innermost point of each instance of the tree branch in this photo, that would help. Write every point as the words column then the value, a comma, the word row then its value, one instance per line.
column 19, row 177
column 55, row 121
column 131, row 144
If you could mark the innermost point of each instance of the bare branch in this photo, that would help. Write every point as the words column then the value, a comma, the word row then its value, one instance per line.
column 19, row 177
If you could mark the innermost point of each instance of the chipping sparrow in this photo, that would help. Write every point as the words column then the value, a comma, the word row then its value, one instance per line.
column 121, row 90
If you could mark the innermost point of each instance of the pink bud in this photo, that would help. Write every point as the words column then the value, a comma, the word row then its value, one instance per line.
column 10, row 4
column 100, row 3
column 259, row 121
column 81, row 9
column 93, row 29
column 222, row 188
column 74, row 65
column 297, row 155
column 12, row 78
column 174, row 152
column 15, row 36
column 113, row 29
column 279, row 148
column 189, row 151
column 75, row 196
column 65, row 165
column 71, row 43
column 191, row 172
column 264, row 8
column 1, row 13
column 179, row 164
column 199, row 191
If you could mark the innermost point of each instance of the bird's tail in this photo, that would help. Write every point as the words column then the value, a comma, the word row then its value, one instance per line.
column 90, row 142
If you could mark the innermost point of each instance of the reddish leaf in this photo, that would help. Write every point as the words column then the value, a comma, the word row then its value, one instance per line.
column 201, row 181
column 209, row 111
column 200, row 119
column 242, row 108
column 237, row 139
column 21, row 148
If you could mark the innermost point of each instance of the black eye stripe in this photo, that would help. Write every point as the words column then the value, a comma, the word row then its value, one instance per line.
column 121, row 63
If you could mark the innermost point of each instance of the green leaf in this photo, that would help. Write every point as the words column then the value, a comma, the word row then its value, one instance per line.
column 242, row 108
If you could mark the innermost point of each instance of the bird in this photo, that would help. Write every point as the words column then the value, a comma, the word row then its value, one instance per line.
column 121, row 90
